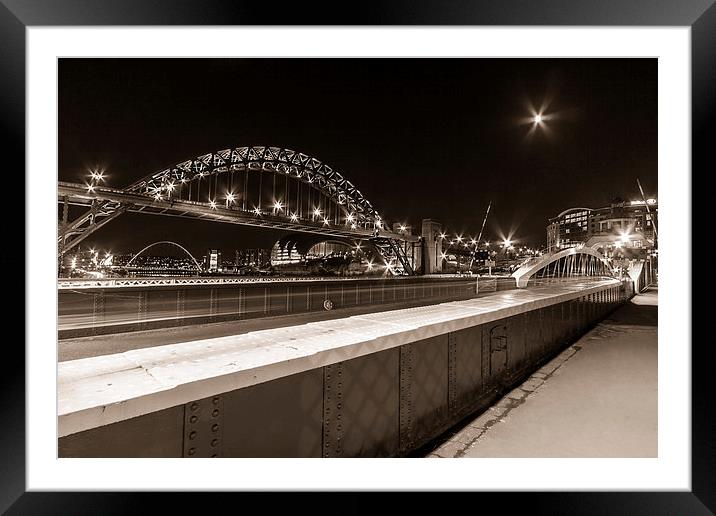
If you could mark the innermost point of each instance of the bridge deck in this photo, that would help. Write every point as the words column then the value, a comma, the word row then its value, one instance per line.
column 596, row 399
column 101, row 390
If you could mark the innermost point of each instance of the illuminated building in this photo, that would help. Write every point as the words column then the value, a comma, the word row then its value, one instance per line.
column 621, row 225
column 212, row 260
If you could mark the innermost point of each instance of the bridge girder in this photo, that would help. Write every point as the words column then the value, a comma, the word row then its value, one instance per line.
column 296, row 165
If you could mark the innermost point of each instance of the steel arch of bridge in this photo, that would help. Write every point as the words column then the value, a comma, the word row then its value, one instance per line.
column 198, row 267
column 297, row 165
column 583, row 261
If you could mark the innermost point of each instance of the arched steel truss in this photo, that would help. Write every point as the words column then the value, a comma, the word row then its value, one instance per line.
column 572, row 262
column 198, row 267
column 178, row 180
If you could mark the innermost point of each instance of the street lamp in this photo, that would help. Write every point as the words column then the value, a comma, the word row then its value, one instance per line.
column 229, row 199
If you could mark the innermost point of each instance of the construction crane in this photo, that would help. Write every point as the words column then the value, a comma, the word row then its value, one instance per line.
column 479, row 237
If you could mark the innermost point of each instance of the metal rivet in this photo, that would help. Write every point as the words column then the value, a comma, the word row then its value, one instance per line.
column 193, row 419
column 215, row 427
column 192, row 451
column 192, row 435
column 215, row 413
column 214, row 455
column 194, row 406
column 214, row 442
column 216, row 401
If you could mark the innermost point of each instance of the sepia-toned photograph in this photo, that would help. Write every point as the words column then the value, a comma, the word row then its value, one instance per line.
column 357, row 257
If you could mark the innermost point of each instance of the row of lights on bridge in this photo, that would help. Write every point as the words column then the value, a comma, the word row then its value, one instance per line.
column 97, row 176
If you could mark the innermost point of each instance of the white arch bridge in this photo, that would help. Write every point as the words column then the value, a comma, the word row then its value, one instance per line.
column 568, row 263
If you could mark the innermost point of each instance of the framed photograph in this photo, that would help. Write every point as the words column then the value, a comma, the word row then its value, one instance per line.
column 424, row 246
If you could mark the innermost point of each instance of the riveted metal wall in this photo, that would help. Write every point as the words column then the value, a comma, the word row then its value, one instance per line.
column 280, row 418
column 423, row 390
column 517, row 355
column 468, row 384
column 361, row 406
column 158, row 434
column 495, row 348
column 380, row 405
column 203, row 428
column 534, row 337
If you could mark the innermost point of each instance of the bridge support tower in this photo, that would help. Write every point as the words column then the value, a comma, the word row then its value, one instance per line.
column 432, row 246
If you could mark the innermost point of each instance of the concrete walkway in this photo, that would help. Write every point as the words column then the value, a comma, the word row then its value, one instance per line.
column 596, row 399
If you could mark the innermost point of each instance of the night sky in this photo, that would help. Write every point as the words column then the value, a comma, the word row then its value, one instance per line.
column 420, row 138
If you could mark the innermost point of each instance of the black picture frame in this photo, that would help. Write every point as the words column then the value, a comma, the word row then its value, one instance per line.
column 17, row 15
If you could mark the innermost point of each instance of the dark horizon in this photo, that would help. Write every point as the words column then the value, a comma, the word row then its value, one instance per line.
column 421, row 138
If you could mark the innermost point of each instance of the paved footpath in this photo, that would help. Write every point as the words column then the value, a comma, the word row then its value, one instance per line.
column 598, row 398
